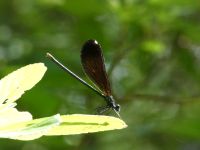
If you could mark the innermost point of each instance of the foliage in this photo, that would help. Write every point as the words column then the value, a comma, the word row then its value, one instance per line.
column 21, row 126
column 152, row 54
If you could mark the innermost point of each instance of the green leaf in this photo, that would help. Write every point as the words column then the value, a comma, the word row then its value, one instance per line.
column 29, row 130
column 13, row 123
column 16, row 83
column 20, row 126
column 80, row 123
column 60, row 125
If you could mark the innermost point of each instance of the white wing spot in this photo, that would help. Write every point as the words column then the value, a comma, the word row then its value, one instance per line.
column 95, row 42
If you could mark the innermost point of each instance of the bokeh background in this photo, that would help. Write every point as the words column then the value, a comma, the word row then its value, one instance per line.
column 152, row 54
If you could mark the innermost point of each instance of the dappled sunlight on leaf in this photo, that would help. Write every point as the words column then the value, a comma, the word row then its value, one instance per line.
column 80, row 123
column 16, row 83
column 29, row 130
column 20, row 126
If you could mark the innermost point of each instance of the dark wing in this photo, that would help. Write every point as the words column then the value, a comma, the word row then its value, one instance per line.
column 93, row 65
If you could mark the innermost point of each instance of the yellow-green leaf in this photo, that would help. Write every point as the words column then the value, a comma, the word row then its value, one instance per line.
column 12, row 87
column 61, row 125
column 20, row 126
column 14, row 84
column 29, row 130
column 79, row 123
column 12, row 116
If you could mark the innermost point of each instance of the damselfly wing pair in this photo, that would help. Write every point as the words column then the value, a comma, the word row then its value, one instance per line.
column 93, row 64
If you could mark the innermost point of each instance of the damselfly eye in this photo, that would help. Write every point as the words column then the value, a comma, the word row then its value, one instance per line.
column 117, row 108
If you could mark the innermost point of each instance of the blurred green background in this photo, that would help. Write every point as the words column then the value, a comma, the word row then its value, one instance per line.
column 152, row 54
